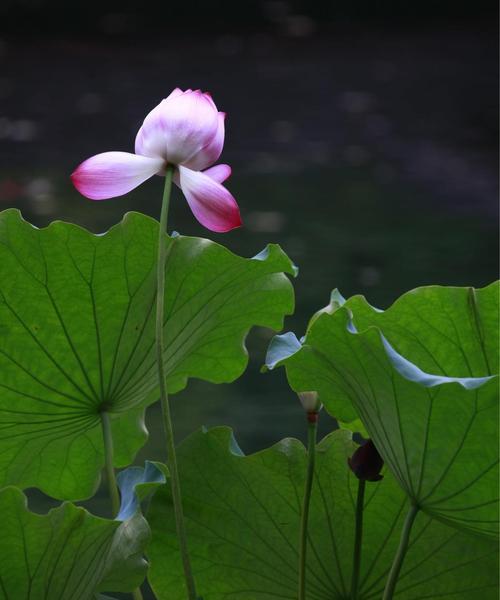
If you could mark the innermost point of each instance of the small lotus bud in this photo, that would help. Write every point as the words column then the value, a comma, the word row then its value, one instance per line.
column 310, row 401
column 366, row 463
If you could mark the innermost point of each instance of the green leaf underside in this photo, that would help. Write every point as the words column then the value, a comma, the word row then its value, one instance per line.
column 77, row 337
column 440, row 442
column 243, row 513
column 67, row 554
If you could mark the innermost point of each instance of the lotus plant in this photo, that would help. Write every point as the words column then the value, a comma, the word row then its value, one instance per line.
column 180, row 139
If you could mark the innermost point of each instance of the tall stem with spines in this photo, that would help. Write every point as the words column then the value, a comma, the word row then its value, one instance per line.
column 163, row 251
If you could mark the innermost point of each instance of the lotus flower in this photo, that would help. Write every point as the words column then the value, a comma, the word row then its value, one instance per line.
column 185, row 130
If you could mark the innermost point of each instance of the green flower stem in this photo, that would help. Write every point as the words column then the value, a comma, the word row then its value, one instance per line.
column 163, row 252
column 312, row 427
column 390, row 586
column 358, row 539
column 108, row 464
column 114, row 494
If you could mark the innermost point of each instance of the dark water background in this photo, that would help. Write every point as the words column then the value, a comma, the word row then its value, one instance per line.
column 367, row 149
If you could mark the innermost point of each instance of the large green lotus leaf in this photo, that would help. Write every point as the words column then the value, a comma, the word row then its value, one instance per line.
column 68, row 553
column 418, row 375
column 243, row 514
column 77, row 337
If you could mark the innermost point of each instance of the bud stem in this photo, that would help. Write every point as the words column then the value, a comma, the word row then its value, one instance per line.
column 390, row 586
column 312, row 427
column 163, row 252
column 358, row 539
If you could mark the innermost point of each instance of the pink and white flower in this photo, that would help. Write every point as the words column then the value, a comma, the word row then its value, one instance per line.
column 185, row 130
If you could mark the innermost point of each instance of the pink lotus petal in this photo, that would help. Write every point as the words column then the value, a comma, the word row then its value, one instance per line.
column 211, row 152
column 174, row 93
column 219, row 173
column 191, row 124
column 208, row 96
column 150, row 140
column 211, row 203
column 178, row 128
column 113, row 174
